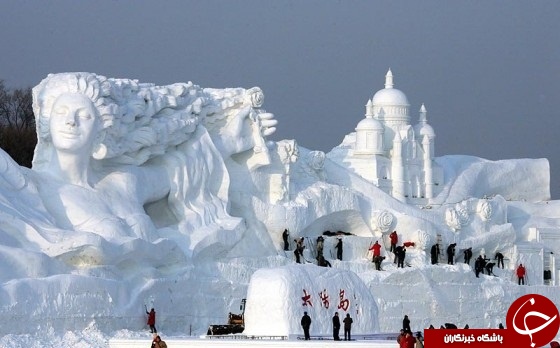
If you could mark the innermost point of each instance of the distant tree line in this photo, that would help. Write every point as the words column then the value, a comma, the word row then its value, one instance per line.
column 17, row 124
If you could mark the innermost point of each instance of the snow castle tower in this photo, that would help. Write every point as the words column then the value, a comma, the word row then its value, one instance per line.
column 391, row 153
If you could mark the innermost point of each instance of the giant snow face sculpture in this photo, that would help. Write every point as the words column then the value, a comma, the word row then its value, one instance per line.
column 122, row 158
column 73, row 124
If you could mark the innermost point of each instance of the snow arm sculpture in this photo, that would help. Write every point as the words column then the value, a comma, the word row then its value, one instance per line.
column 240, row 125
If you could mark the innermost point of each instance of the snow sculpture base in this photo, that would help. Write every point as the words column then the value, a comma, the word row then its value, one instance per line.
column 277, row 298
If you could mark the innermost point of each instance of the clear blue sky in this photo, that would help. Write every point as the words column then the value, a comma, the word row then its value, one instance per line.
column 488, row 71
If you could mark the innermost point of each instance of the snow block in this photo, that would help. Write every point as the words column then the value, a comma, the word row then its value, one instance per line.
column 278, row 297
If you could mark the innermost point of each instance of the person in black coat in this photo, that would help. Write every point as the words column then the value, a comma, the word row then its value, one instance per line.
column 401, row 254
column 451, row 253
column 321, row 261
column 306, row 324
column 347, row 327
column 338, row 247
column 490, row 268
column 297, row 255
column 377, row 261
column 336, row 327
column 479, row 265
column 468, row 255
column 500, row 258
column 320, row 244
column 434, row 253
column 285, row 236
column 298, row 251
column 406, row 324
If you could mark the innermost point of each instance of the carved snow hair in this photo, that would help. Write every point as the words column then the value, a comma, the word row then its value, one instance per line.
column 228, row 102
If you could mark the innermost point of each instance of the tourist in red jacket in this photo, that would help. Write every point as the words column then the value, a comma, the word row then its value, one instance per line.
column 520, row 274
column 408, row 341
column 394, row 240
column 376, row 249
column 152, row 320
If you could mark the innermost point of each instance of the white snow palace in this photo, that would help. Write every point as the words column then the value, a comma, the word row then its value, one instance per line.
column 392, row 154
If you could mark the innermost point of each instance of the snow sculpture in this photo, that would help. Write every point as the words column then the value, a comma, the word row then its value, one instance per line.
column 315, row 164
column 484, row 209
column 424, row 239
column 149, row 194
column 391, row 153
column 119, row 158
column 279, row 296
column 464, row 213
column 101, row 141
column 289, row 154
column 10, row 176
column 236, row 108
column 382, row 221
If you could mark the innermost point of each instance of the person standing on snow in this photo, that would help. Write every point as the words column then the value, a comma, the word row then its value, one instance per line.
column 434, row 253
column 298, row 251
column 406, row 323
column 376, row 249
column 336, row 326
column 347, row 327
column 285, row 236
column 500, row 258
column 151, row 320
column 468, row 255
column 451, row 253
column 296, row 254
column 394, row 240
column 320, row 245
column 520, row 274
column 306, row 324
column 299, row 244
column 401, row 254
column 479, row 265
column 338, row 247
column 377, row 260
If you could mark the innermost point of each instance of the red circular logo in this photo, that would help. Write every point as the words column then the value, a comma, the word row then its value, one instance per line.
column 534, row 320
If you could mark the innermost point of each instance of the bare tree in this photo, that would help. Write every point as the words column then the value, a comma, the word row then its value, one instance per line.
column 16, row 110
column 17, row 124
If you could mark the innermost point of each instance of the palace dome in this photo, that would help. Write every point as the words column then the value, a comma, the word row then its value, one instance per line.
column 390, row 96
column 425, row 129
column 369, row 123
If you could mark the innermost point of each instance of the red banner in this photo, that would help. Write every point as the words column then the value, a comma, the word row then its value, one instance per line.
column 474, row 338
